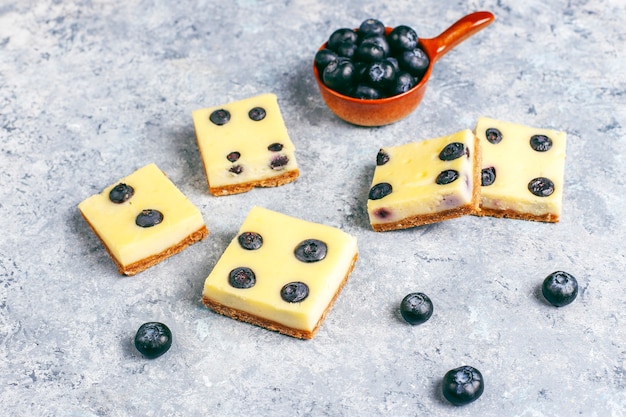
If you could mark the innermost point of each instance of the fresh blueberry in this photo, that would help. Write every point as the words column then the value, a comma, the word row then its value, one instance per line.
column 560, row 288
column 393, row 61
column 294, row 292
column 323, row 57
column 370, row 51
column 121, row 192
column 242, row 277
column 383, row 213
column 347, row 50
column 311, row 250
column 380, row 190
column 233, row 156
column 340, row 36
column 446, row 177
column 257, row 114
column 463, row 385
column 403, row 38
column 380, row 75
column 366, row 92
column 541, row 187
column 382, row 157
column 414, row 62
column 416, row 308
column 378, row 40
column 488, row 176
column 339, row 75
column 250, row 240
column 540, row 143
column 149, row 218
column 493, row 135
column 404, row 82
column 153, row 339
column 220, row 117
column 453, row 151
column 371, row 27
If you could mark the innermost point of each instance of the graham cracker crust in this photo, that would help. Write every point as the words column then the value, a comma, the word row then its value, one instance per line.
column 152, row 260
column 276, row 181
column 512, row 214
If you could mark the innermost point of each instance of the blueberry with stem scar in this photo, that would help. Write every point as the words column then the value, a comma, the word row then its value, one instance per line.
column 153, row 339
column 250, row 240
column 294, row 292
column 541, row 187
column 371, row 27
column 257, row 114
column 242, row 278
column 560, row 288
column 416, row 308
column 540, row 143
column 311, row 250
column 463, row 385
column 403, row 38
column 149, row 218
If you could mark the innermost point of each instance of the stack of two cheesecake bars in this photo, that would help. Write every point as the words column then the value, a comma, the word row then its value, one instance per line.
column 501, row 169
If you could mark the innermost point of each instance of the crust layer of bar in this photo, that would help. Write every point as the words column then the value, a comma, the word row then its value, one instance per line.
column 283, row 179
column 512, row 214
column 143, row 264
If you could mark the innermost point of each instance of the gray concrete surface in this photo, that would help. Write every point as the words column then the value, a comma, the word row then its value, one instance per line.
column 91, row 90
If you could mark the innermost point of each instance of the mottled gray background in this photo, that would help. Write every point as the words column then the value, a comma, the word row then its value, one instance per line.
column 91, row 90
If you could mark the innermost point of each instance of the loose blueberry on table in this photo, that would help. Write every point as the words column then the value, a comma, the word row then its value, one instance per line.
column 560, row 288
column 153, row 339
column 463, row 385
column 416, row 308
column 368, row 64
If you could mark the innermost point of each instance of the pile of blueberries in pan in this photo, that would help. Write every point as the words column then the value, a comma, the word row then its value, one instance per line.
column 369, row 63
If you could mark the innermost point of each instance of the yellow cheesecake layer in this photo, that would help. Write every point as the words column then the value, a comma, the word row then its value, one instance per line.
column 275, row 265
column 516, row 164
column 412, row 170
column 114, row 223
column 238, row 154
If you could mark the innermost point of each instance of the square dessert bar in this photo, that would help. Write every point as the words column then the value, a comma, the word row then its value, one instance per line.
column 425, row 182
column 522, row 171
column 245, row 144
column 281, row 273
column 143, row 219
